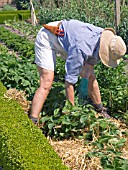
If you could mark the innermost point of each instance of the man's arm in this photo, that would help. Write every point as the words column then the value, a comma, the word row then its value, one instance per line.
column 83, row 86
column 69, row 92
column 86, row 72
column 93, row 88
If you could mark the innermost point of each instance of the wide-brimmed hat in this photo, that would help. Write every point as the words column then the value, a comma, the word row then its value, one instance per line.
column 112, row 48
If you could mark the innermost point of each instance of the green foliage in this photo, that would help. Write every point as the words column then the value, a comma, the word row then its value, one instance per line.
column 107, row 142
column 14, row 15
column 3, row 49
column 123, row 31
column 18, row 73
column 8, row 8
column 22, row 144
column 87, row 12
column 47, row 15
column 117, row 163
column 4, row 17
column 14, row 42
column 25, row 4
column 15, row 12
column 59, row 70
column 2, row 89
column 23, row 17
column 60, row 120
column 21, row 4
column 66, row 121
column 100, row 13
column 113, row 86
column 25, row 28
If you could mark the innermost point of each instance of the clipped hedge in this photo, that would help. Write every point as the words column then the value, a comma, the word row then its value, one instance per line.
column 14, row 15
column 5, row 17
column 22, row 144
column 24, row 16
column 15, row 12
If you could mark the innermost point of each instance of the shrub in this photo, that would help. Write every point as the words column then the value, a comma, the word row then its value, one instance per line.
column 5, row 17
column 8, row 8
column 22, row 144
column 14, row 15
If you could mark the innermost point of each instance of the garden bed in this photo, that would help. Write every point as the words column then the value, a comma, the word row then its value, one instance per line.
column 72, row 151
column 76, row 153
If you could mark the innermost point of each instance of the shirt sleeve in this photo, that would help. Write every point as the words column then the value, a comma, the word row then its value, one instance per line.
column 74, row 64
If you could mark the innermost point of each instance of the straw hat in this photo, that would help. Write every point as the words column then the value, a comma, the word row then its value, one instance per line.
column 112, row 48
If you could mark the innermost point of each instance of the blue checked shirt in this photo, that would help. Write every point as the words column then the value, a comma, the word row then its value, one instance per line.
column 81, row 41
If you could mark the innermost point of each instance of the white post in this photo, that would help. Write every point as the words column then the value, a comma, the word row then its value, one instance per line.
column 33, row 15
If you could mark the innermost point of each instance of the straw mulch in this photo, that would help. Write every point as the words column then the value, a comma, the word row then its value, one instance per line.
column 72, row 152
column 20, row 97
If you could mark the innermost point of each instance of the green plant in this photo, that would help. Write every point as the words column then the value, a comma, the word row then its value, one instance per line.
column 8, row 8
column 123, row 31
column 14, row 41
column 107, row 142
column 22, row 144
column 18, row 73
column 113, row 85
column 59, row 119
column 25, row 4
column 66, row 121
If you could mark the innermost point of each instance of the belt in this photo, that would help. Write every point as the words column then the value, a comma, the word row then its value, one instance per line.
column 55, row 29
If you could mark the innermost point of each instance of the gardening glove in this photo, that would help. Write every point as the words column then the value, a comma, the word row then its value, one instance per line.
column 83, row 89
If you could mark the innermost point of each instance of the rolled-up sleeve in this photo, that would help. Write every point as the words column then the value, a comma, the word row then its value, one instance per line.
column 73, row 65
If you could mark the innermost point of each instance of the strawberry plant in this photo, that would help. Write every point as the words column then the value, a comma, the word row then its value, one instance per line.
column 17, row 73
column 17, row 43
column 66, row 121
column 24, row 28
column 113, row 85
column 107, row 142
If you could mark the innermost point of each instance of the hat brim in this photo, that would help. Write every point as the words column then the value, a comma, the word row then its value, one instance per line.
column 104, row 51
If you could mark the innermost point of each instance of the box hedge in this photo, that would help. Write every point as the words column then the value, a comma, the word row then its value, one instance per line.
column 5, row 17
column 24, row 16
column 14, row 15
column 15, row 12
column 22, row 144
